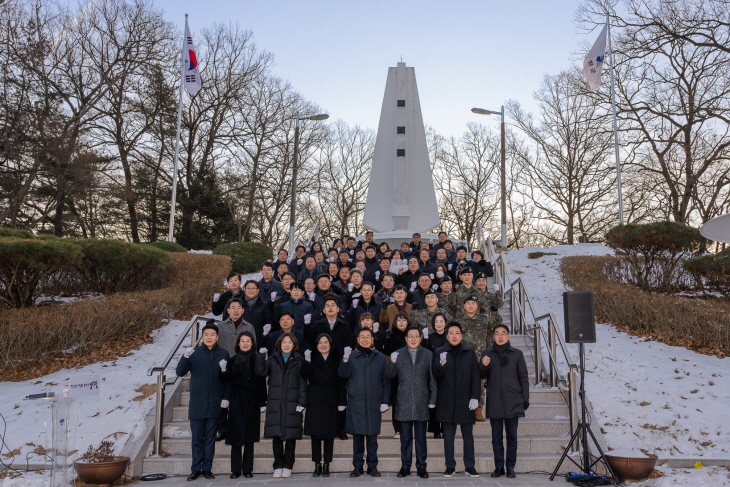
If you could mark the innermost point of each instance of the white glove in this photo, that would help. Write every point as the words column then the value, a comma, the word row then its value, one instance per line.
column 267, row 329
column 394, row 357
column 311, row 296
column 431, row 276
column 352, row 252
column 355, row 302
column 413, row 286
column 356, row 295
column 425, row 333
column 288, row 260
column 347, row 353
column 223, row 365
column 430, row 240
column 300, row 409
column 377, row 275
column 299, row 261
column 435, row 287
column 450, row 266
column 263, row 409
column 473, row 404
column 376, row 327
column 307, row 319
column 224, row 403
column 383, row 408
column 263, row 350
column 341, row 408
column 273, row 296
column 216, row 297
column 431, row 406
column 308, row 355
column 442, row 357
column 188, row 352
column 392, row 299
column 350, row 286
column 496, row 287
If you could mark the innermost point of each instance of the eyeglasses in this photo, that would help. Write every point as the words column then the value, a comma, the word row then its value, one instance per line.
column 501, row 334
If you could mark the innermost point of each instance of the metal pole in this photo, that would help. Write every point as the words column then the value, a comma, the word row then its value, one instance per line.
column 159, row 412
column 615, row 129
column 573, row 403
column 538, row 354
column 177, row 140
column 553, row 376
column 504, row 187
column 512, row 314
column 292, row 214
column 194, row 334
column 523, row 325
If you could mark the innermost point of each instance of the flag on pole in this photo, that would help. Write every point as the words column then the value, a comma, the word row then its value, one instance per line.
column 593, row 63
column 191, row 76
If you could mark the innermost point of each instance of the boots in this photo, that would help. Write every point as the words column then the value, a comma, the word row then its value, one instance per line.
column 325, row 470
column 480, row 416
column 317, row 470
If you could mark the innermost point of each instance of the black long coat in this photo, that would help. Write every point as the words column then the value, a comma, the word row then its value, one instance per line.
column 259, row 314
column 247, row 397
column 458, row 382
column 287, row 390
column 341, row 334
column 508, row 387
column 326, row 391
column 434, row 341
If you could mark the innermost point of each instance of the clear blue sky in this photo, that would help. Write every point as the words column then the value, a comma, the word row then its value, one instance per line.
column 466, row 53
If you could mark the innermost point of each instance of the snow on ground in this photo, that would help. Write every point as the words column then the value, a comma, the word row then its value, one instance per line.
column 645, row 395
column 689, row 477
column 114, row 412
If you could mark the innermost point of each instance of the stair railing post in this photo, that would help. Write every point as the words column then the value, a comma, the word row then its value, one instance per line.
column 522, row 314
column 194, row 334
column 512, row 311
column 159, row 413
column 552, row 345
column 538, row 353
column 573, row 402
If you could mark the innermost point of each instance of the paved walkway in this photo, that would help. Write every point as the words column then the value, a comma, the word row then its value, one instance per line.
column 389, row 479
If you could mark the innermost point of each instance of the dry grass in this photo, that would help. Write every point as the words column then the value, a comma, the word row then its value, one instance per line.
column 702, row 325
column 38, row 341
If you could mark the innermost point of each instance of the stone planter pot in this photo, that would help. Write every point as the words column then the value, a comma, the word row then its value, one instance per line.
column 631, row 468
column 102, row 473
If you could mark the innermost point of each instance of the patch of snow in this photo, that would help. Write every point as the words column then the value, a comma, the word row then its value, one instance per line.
column 667, row 400
column 208, row 252
column 689, row 477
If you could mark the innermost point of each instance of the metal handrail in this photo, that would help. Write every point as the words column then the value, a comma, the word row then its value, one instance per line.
column 192, row 328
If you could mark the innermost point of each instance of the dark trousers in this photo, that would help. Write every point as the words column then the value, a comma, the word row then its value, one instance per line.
column 203, row 447
column 433, row 425
column 406, row 444
column 284, row 453
column 358, row 450
column 510, row 426
column 223, row 421
column 341, row 418
column 242, row 458
column 329, row 445
column 467, row 436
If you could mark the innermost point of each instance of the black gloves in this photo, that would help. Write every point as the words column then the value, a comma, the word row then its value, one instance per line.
column 526, row 405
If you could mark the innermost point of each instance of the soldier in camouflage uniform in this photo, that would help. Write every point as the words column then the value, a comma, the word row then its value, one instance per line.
column 423, row 317
column 494, row 299
column 477, row 333
column 457, row 298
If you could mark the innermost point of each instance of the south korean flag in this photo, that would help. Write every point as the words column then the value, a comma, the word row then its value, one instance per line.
column 593, row 63
column 190, row 74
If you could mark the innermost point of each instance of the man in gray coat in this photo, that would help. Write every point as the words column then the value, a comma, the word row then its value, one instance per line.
column 416, row 395
column 368, row 396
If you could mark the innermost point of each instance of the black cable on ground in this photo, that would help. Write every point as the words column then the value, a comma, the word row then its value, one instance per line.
column 154, row 476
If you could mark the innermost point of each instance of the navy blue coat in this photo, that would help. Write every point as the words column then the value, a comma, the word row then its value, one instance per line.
column 206, row 388
column 367, row 388
column 299, row 309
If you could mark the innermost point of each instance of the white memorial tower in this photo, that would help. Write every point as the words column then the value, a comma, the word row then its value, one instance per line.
column 401, row 196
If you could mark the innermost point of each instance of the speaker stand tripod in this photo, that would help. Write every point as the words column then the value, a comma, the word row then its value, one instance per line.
column 580, row 436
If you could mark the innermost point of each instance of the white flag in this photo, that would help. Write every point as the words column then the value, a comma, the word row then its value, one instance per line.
column 593, row 63
column 191, row 76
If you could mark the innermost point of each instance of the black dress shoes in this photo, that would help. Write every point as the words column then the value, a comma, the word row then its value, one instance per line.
column 403, row 473
column 356, row 472
column 498, row 472
column 511, row 473
column 235, row 475
column 317, row 470
column 209, row 475
column 248, row 475
column 325, row 470
column 374, row 472
column 423, row 474
column 194, row 475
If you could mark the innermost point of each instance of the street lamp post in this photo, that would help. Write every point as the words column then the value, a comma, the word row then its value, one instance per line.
column 482, row 111
column 292, row 213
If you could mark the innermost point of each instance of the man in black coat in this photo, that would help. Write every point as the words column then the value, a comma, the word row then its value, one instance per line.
column 508, row 396
column 256, row 310
column 368, row 396
column 268, row 284
column 457, row 375
column 332, row 324
column 206, row 398
column 220, row 301
column 366, row 303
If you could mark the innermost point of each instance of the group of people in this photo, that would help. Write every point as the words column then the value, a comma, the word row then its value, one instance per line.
column 346, row 335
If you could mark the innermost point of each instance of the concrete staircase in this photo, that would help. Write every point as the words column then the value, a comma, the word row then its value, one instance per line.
column 542, row 435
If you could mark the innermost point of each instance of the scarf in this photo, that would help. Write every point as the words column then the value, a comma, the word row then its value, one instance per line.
column 295, row 301
column 285, row 356
column 401, row 307
column 237, row 323
column 501, row 351
column 252, row 301
column 242, row 364
column 366, row 351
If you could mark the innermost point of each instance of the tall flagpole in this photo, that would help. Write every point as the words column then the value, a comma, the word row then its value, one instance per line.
column 615, row 127
column 177, row 141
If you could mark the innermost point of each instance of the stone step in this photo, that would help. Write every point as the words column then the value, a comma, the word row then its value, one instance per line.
column 342, row 462
column 525, row 444
column 527, row 427
column 536, row 411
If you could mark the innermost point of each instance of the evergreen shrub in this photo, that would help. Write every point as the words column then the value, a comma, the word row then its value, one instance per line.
column 246, row 257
